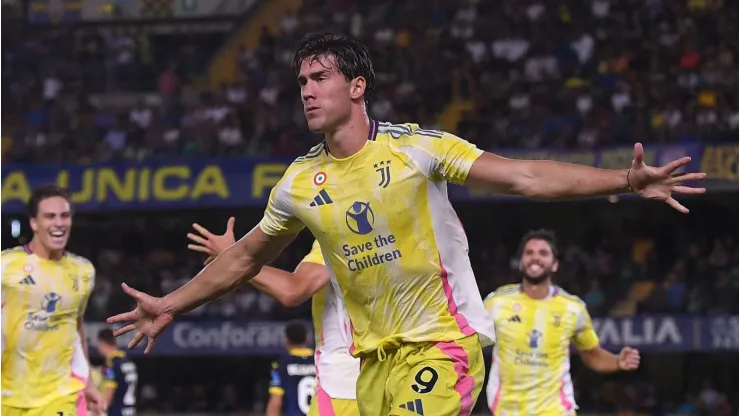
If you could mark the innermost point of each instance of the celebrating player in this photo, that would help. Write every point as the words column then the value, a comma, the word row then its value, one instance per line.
column 44, row 295
column 293, row 381
column 336, row 369
column 119, row 377
column 374, row 195
column 535, row 322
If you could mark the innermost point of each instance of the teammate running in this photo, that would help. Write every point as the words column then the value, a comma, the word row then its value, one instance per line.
column 119, row 377
column 374, row 195
column 293, row 376
column 535, row 323
column 45, row 290
column 336, row 369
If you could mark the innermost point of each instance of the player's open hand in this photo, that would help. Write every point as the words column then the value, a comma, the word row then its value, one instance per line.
column 149, row 319
column 212, row 244
column 95, row 400
column 628, row 359
column 660, row 182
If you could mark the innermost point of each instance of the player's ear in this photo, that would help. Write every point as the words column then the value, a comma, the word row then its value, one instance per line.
column 357, row 87
column 34, row 224
column 555, row 266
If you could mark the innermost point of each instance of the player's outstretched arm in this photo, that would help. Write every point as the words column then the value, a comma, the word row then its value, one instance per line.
column 290, row 289
column 550, row 180
column 236, row 265
column 603, row 361
column 232, row 268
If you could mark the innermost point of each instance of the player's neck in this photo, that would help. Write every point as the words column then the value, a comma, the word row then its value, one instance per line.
column 349, row 138
column 537, row 291
column 39, row 250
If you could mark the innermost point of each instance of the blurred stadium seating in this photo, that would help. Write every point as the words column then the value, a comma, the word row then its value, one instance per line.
column 162, row 113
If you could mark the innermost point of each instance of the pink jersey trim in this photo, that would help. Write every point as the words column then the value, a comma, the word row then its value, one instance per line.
column 567, row 405
column 325, row 405
column 497, row 396
column 462, row 323
column 352, row 345
column 465, row 384
column 81, row 404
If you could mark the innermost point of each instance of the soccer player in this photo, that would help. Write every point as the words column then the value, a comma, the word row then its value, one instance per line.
column 45, row 290
column 119, row 377
column 535, row 323
column 374, row 195
column 336, row 369
column 293, row 376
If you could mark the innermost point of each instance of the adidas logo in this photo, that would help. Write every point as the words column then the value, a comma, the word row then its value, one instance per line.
column 321, row 199
column 414, row 406
column 28, row 280
column 515, row 318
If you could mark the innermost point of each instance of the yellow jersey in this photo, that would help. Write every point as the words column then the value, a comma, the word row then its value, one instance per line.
column 530, row 369
column 42, row 301
column 336, row 369
column 394, row 247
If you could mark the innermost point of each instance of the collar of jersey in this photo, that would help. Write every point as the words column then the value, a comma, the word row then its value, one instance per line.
column 371, row 134
column 553, row 291
column 117, row 354
column 300, row 352
column 27, row 249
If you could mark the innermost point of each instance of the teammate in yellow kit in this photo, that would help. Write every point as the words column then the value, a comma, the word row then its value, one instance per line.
column 44, row 294
column 535, row 324
column 374, row 195
column 336, row 369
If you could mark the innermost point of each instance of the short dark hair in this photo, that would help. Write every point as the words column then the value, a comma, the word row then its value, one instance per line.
column 106, row 335
column 352, row 57
column 296, row 333
column 546, row 235
column 45, row 192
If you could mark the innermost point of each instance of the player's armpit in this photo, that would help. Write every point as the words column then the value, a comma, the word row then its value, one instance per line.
column 292, row 289
column 543, row 179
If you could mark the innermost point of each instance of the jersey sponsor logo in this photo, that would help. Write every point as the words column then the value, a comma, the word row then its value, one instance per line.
column 319, row 178
column 534, row 338
column 384, row 169
column 322, row 198
column 28, row 280
column 43, row 320
column 50, row 302
column 360, row 218
column 366, row 254
column 414, row 406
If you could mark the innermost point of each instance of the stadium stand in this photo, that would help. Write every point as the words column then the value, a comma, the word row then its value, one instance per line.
column 530, row 75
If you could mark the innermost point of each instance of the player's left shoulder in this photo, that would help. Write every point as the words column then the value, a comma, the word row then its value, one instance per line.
column 570, row 299
column 82, row 262
column 405, row 133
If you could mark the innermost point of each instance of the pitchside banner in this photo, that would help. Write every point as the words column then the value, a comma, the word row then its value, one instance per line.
column 647, row 333
column 239, row 182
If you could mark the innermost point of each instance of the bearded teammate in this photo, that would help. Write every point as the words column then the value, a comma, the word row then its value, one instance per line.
column 44, row 294
column 336, row 369
column 374, row 195
column 535, row 323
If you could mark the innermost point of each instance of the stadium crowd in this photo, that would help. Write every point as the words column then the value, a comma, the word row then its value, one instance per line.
column 529, row 74
column 662, row 71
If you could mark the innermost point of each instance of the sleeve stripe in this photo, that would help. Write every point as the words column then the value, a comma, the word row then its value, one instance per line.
column 278, row 391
